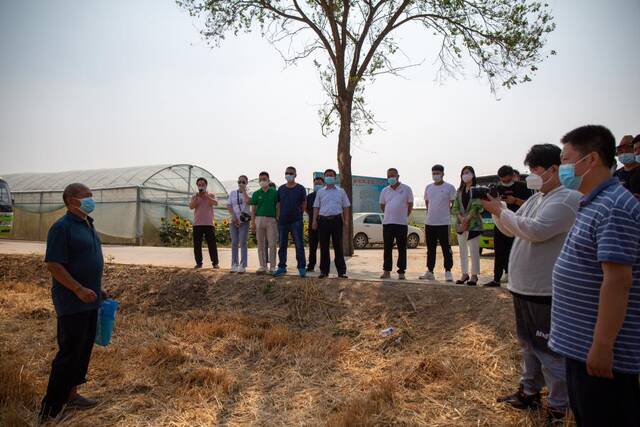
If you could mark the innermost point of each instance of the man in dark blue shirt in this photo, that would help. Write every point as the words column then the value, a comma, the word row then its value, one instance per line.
column 318, row 184
column 292, row 201
column 74, row 258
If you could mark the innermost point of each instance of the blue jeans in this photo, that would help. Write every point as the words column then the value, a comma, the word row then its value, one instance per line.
column 296, row 229
column 239, row 241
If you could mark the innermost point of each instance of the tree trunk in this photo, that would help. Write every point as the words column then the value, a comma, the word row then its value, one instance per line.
column 344, row 166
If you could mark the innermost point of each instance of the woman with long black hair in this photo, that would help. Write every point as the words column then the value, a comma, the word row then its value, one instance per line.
column 469, row 226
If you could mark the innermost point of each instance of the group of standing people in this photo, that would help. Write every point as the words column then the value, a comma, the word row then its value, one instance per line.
column 274, row 215
column 463, row 204
column 574, row 266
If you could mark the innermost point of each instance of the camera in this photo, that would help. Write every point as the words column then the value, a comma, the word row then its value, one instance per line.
column 481, row 192
column 245, row 217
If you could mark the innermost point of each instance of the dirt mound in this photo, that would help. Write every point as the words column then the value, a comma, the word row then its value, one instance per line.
column 211, row 348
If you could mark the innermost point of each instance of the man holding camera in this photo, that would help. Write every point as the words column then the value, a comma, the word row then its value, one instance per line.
column 539, row 227
column 202, row 203
column 514, row 194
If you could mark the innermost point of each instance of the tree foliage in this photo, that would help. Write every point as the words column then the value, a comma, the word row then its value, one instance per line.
column 352, row 42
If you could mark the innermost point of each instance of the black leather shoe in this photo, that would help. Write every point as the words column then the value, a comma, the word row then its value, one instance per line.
column 322, row 276
column 492, row 284
column 464, row 280
column 520, row 400
column 81, row 402
column 343, row 276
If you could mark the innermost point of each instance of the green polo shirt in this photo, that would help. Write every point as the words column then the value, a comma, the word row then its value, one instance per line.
column 265, row 202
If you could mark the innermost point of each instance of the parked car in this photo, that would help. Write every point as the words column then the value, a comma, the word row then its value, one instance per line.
column 367, row 230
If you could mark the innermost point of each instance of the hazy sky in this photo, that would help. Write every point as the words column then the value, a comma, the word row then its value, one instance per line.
column 97, row 84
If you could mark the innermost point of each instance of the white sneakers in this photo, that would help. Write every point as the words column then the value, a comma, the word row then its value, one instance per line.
column 234, row 268
column 241, row 269
column 428, row 276
column 448, row 277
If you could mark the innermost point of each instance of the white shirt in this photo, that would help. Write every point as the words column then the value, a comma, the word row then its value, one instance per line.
column 540, row 227
column 438, row 199
column 396, row 204
column 238, row 207
column 331, row 201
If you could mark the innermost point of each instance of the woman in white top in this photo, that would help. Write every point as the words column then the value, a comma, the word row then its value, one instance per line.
column 239, row 211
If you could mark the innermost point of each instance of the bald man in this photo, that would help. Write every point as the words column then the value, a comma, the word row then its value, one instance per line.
column 74, row 259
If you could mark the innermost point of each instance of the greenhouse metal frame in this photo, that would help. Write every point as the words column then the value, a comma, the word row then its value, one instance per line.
column 130, row 201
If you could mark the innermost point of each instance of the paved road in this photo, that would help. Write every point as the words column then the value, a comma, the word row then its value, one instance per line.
column 364, row 265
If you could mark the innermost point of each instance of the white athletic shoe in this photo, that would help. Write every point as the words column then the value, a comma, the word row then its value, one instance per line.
column 234, row 268
column 241, row 269
column 448, row 277
column 428, row 276
column 505, row 278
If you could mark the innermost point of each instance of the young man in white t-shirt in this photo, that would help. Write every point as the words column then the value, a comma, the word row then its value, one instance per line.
column 396, row 201
column 438, row 197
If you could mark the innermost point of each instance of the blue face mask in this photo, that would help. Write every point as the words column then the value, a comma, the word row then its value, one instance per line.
column 317, row 187
column 637, row 158
column 627, row 158
column 289, row 178
column 567, row 175
column 87, row 205
column 392, row 181
column 330, row 180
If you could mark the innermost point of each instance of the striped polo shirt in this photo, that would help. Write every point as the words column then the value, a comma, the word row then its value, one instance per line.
column 607, row 229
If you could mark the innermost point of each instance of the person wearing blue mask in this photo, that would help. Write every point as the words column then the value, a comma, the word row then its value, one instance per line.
column 595, row 308
column 330, row 213
column 318, row 183
column 540, row 228
column 74, row 259
column 630, row 168
column 396, row 202
column 292, row 201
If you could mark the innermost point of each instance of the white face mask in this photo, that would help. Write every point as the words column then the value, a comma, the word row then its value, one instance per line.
column 437, row 177
column 535, row 182
column 264, row 184
column 504, row 184
column 467, row 178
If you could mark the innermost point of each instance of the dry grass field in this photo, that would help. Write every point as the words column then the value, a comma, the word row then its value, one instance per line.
column 207, row 348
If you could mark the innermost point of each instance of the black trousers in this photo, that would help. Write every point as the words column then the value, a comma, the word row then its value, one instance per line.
column 330, row 228
column 209, row 233
column 313, row 247
column 395, row 233
column 76, row 334
column 502, row 246
column 599, row 401
column 435, row 234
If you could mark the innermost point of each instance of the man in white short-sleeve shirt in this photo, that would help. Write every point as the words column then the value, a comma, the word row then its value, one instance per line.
column 438, row 197
column 396, row 201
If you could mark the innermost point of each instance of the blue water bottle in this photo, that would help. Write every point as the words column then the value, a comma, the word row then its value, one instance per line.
column 106, row 320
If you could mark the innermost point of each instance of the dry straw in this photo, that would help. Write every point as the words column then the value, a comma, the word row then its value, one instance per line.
column 209, row 348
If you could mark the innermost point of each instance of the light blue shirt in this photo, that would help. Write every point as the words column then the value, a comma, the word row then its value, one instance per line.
column 331, row 201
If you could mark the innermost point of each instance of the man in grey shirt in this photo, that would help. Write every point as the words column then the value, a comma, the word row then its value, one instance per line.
column 540, row 227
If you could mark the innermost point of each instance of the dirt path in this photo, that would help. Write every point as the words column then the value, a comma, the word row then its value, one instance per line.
column 365, row 265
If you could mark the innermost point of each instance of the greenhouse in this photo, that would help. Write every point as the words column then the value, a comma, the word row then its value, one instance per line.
column 131, row 202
